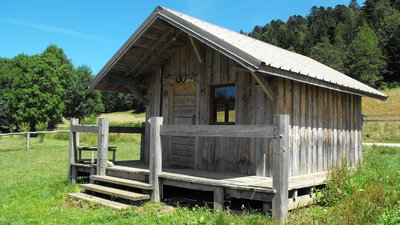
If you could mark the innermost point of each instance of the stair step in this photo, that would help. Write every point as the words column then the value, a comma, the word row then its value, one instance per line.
column 115, row 192
column 97, row 200
column 121, row 181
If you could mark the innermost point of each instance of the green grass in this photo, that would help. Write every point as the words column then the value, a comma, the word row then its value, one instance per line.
column 381, row 132
column 126, row 118
column 34, row 184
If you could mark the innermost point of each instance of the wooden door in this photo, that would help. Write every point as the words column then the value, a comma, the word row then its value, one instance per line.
column 183, row 113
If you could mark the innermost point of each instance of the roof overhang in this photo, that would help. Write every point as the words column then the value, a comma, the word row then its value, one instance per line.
column 244, row 58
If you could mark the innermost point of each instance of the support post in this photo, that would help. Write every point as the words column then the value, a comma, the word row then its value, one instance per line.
column 155, row 163
column 102, row 146
column 73, row 143
column 142, row 143
column 280, row 176
column 28, row 136
column 219, row 198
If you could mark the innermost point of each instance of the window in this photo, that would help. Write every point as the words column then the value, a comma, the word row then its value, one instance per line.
column 223, row 104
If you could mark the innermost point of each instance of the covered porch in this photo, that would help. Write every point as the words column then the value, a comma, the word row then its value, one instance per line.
column 278, row 193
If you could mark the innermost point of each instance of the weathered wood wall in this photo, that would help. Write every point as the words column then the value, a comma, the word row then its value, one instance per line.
column 325, row 125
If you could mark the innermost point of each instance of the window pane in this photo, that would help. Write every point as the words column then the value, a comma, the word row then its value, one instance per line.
column 224, row 104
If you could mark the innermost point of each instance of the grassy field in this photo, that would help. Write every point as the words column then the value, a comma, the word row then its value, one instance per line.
column 382, row 132
column 34, row 184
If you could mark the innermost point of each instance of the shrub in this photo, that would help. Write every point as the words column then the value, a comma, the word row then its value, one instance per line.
column 41, row 126
column 24, row 127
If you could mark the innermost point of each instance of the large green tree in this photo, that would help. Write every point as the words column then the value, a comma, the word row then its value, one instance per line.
column 37, row 93
column 42, row 88
column 82, row 101
column 364, row 57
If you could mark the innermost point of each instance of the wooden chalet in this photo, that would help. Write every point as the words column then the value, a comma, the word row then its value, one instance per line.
column 225, row 114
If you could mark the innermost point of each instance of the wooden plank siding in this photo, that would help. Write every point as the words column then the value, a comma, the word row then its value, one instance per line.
column 325, row 125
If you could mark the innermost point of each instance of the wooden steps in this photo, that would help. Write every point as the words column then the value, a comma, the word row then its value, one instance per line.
column 115, row 192
column 123, row 182
column 97, row 200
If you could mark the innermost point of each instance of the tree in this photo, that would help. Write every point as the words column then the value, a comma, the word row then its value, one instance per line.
column 364, row 57
column 390, row 41
column 375, row 12
column 37, row 93
column 354, row 5
column 328, row 54
column 82, row 101
column 114, row 102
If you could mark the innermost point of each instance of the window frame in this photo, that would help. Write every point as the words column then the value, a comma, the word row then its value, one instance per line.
column 212, row 87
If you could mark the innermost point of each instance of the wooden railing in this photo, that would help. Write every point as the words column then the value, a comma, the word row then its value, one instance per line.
column 279, row 133
column 102, row 129
column 381, row 118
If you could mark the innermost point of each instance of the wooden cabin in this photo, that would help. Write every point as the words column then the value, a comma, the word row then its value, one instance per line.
column 229, row 114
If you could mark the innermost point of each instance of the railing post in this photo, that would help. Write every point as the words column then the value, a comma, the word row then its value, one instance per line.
column 102, row 146
column 28, row 135
column 280, row 160
column 73, row 143
column 142, row 143
column 155, row 162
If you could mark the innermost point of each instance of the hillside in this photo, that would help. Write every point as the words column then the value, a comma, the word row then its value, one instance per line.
column 391, row 106
column 382, row 132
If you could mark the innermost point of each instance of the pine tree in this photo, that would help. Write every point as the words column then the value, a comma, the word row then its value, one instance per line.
column 364, row 59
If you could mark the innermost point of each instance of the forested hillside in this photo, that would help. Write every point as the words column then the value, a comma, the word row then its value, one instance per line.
column 360, row 41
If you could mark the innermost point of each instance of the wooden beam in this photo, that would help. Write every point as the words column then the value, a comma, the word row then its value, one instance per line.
column 102, row 146
column 244, row 131
column 73, row 143
column 161, row 49
column 127, row 130
column 219, row 198
column 143, row 57
column 130, row 83
column 195, row 48
column 264, row 85
column 280, row 172
column 84, row 128
column 155, row 157
column 135, row 92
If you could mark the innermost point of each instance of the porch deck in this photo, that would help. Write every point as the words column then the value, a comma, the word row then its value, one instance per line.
column 257, row 183
column 233, row 185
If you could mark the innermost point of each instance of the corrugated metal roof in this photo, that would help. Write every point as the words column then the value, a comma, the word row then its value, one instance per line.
column 255, row 55
column 274, row 56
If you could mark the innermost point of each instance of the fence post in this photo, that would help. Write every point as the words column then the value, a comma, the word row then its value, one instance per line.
column 28, row 136
column 280, row 171
column 102, row 146
column 73, row 143
column 155, row 163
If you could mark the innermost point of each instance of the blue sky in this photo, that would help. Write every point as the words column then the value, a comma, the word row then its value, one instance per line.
column 91, row 31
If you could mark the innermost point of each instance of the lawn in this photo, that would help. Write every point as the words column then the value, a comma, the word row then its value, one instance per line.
column 34, row 184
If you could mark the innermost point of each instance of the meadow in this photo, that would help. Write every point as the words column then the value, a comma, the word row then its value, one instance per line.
column 382, row 131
